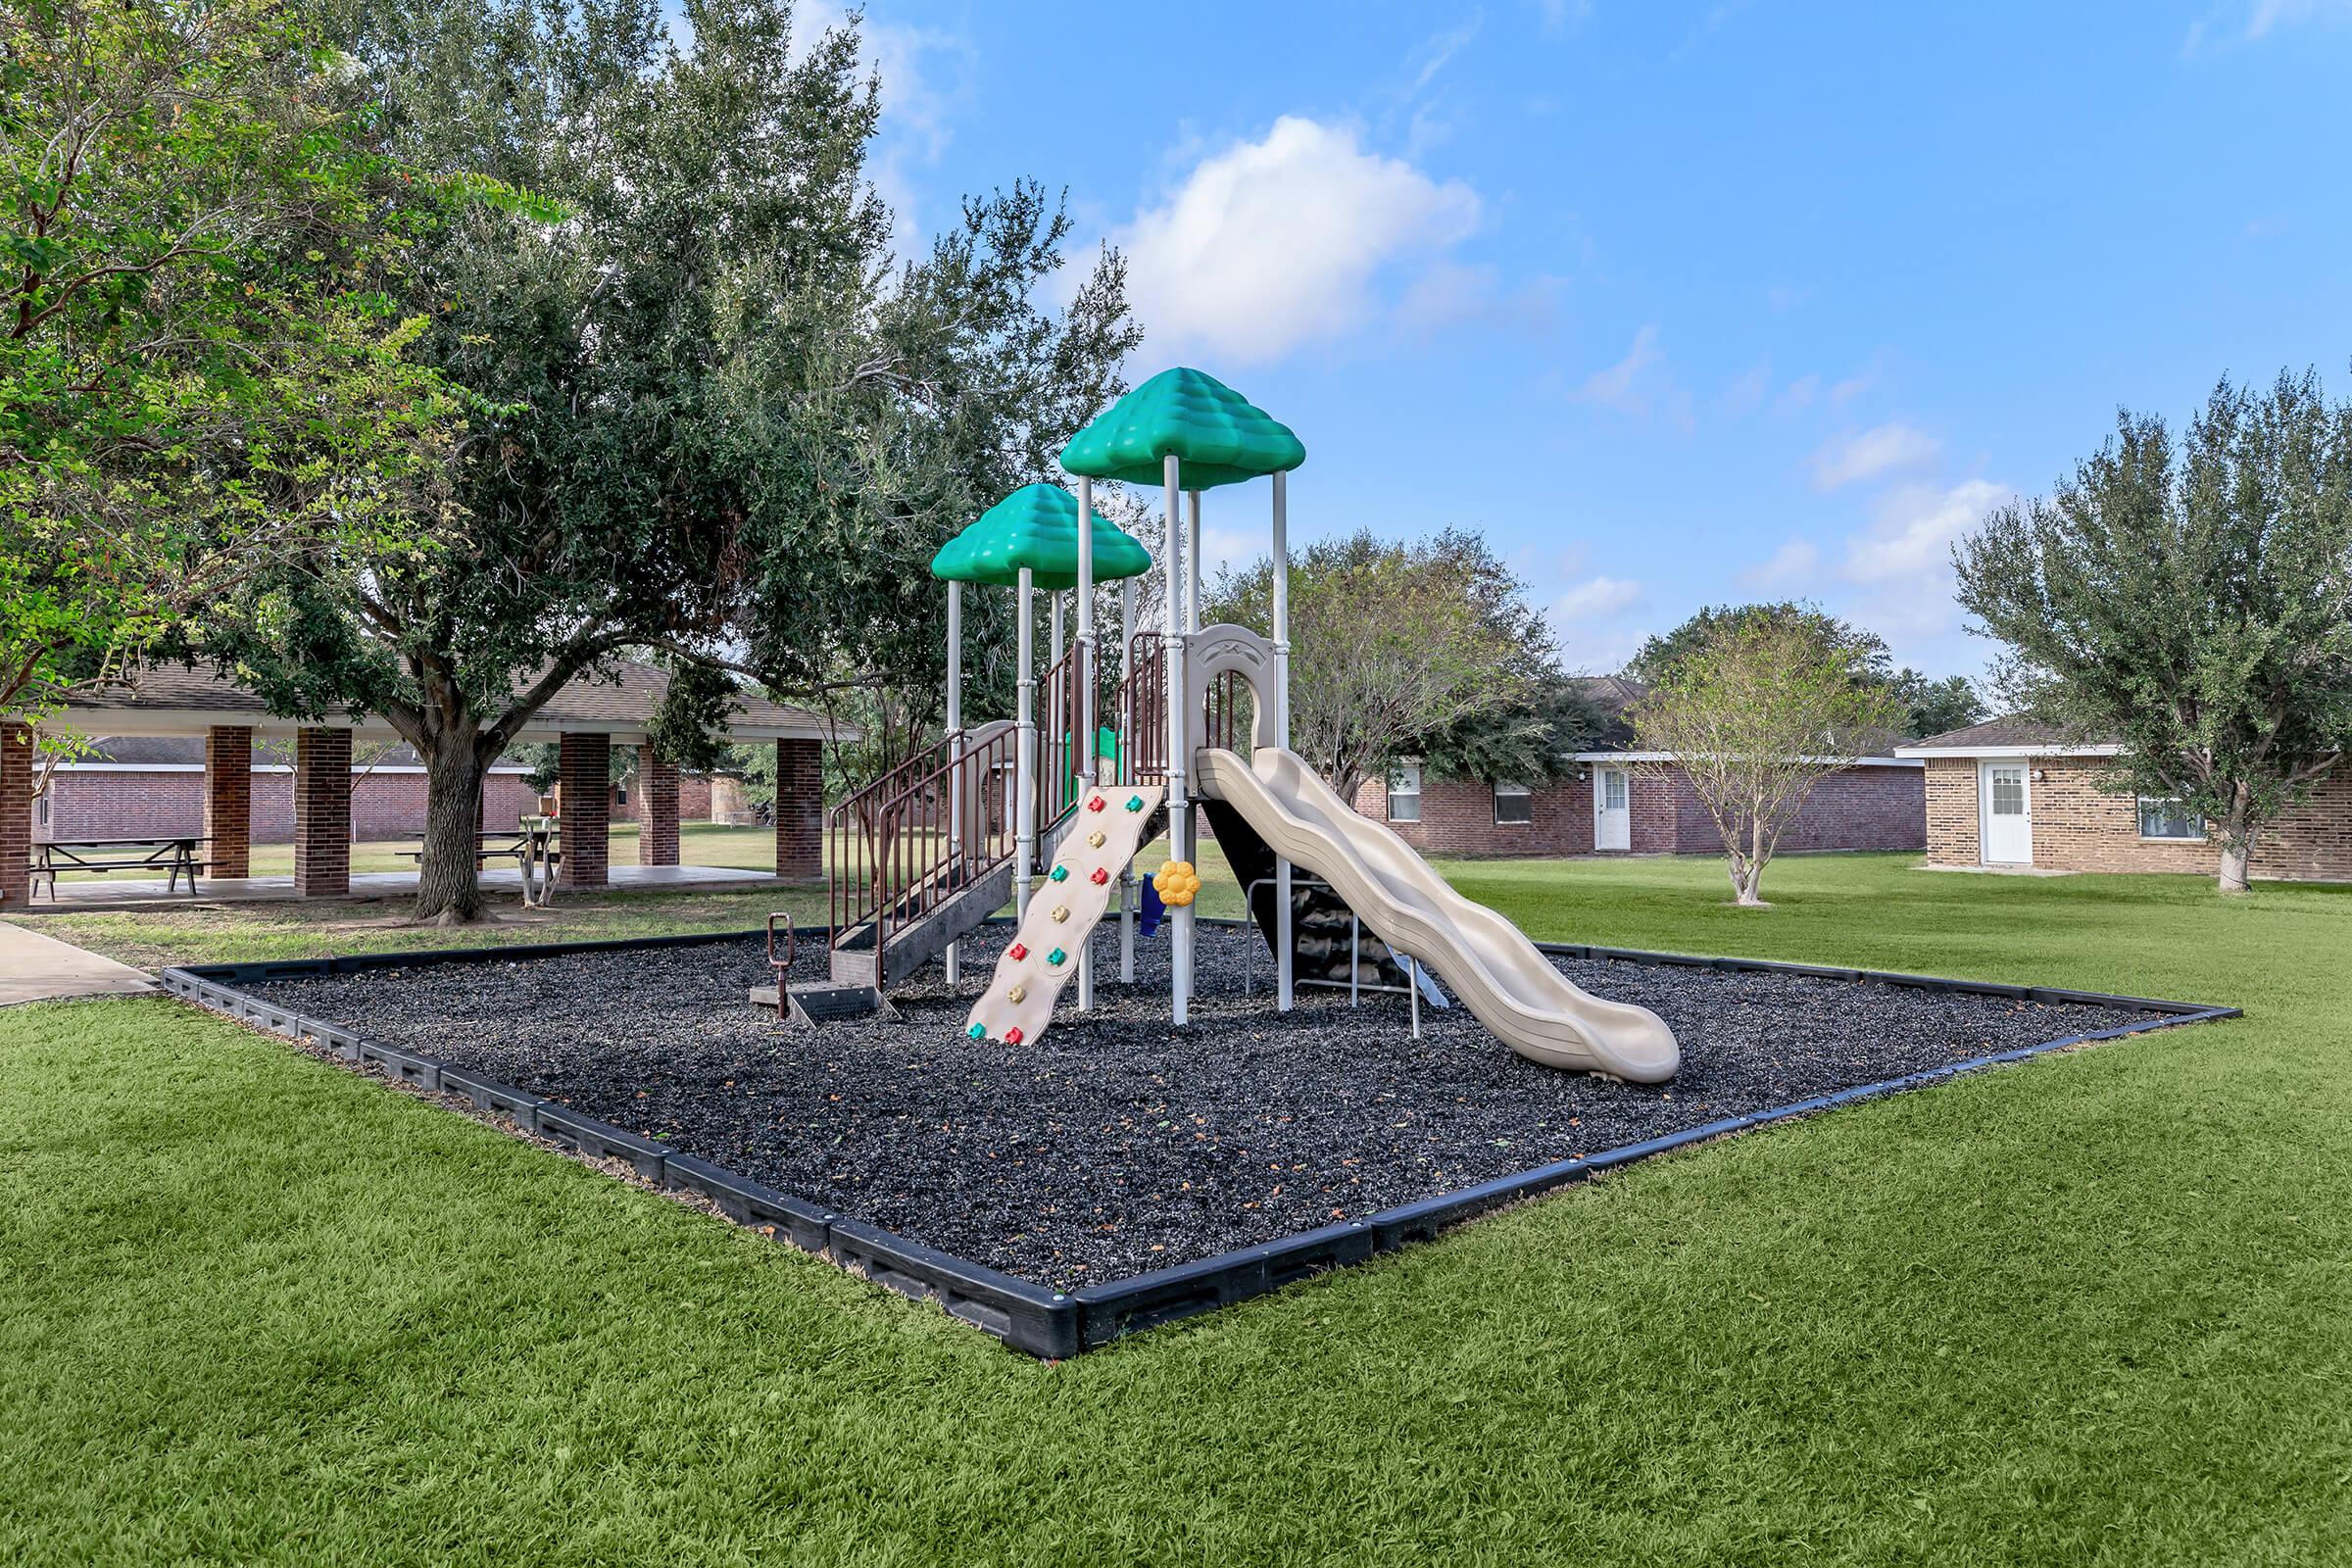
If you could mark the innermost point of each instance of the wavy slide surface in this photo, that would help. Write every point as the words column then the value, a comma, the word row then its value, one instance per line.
column 1487, row 962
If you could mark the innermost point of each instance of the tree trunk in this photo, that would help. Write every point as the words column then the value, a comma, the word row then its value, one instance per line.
column 449, row 881
column 2237, row 843
column 1748, row 869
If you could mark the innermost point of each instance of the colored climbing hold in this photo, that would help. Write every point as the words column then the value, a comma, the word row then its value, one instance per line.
column 1134, row 802
column 1094, row 840
column 1062, row 873
column 1094, row 803
column 1101, row 876
column 1016, row 953
column 1018, row 995
column 1061, row 913
column 978, row 1031
column 1057, row 956
column 1012, row 1036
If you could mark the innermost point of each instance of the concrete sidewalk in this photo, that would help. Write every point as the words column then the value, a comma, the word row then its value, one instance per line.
column 38, row 968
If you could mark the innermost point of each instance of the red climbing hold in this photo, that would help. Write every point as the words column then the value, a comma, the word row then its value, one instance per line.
column 1101, row 876
column 1016, row 952
column 1095, row 805
column 1012, row 1036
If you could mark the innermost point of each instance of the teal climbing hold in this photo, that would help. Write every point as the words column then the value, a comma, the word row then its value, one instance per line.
column 978, row 1031
column 1062, row 873
column 1055, row 956
column 1134, row 802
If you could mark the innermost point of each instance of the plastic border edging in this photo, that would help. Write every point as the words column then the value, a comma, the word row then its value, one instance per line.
column 1051, row 1324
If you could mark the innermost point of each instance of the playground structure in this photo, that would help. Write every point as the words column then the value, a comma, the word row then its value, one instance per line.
column 919, row 857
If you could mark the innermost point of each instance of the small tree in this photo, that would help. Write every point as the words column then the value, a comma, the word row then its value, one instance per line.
column 1391, row 643
column 1755, row 716
column 2190, row 606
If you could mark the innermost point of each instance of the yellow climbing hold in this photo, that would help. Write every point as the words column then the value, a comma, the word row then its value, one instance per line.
column 1177, row 883
column 1094, row 840
column 1061, row 913
column 1016, row 994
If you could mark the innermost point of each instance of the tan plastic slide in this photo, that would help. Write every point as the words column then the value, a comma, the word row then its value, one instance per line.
column 1064, row 907
column 1511, row 988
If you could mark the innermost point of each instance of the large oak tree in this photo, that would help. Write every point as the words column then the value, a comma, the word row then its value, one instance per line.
column 730, row 427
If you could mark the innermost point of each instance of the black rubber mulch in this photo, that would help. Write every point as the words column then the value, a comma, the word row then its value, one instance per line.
column 1116, row 1144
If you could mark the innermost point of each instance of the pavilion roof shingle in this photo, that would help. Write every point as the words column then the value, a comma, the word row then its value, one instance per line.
column 622, row 702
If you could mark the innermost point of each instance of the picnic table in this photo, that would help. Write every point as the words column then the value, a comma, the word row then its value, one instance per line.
column 532, row 846
column 170, row 853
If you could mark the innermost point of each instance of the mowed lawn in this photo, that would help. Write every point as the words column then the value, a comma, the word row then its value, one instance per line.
column 2093, row 1308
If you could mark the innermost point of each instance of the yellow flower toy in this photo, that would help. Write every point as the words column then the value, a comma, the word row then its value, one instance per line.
column 1177, row 883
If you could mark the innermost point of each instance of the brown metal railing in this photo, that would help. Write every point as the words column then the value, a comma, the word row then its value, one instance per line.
column 1062, row 751
column 894, row 857
column 1144, row 712
column 1228, row 712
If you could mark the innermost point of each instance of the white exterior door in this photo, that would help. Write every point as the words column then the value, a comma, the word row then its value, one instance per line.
column 1612, row 809
column 2006, row 809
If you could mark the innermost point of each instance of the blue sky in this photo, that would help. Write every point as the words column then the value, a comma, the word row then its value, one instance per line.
column 1676, row 303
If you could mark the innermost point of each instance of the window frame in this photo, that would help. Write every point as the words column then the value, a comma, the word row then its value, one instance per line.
column 1393, row 794
column 1496, row 789
column 2198, row 833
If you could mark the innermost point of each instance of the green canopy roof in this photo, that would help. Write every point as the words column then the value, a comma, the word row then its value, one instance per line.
column 1217, row 435
column 1037, row 526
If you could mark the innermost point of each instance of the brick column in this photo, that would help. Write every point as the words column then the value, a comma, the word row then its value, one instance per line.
column 16, row 816
column 656, row 809
column 583, row 768
column 228, row 799
column 322, row 812
column 800, row 810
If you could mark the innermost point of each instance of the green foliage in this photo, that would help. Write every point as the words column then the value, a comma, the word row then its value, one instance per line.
column 1759, row 712
column 1527, row 742
column 1864, row 651
column 1394, row 643
column 202, row 369
column 688, row 724
column 1936, row 707
column 725, row 424
column 1931, row 707
column 2191, row 602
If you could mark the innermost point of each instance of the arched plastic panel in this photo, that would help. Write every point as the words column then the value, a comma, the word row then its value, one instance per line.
column 1213, row 650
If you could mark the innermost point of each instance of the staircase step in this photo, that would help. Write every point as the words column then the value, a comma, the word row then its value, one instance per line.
column 808, row 1005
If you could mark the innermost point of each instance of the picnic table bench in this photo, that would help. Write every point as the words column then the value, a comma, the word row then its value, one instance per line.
column 173, row 853
column 529, row 846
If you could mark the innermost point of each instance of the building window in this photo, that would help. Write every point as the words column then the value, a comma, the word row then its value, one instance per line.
column 1404, row 793
column 1513, row 804
column 2167, row 819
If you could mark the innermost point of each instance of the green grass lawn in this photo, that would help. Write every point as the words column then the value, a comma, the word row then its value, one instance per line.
column 2093, row 1309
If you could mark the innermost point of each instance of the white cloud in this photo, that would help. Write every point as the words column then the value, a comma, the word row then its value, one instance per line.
column 1280, row 242
column 1797, row 565
column 1746, row 395
column 1872, row 454
column 1915, row 528
column 1563, row 16
column 1597, row 599
column 1450, row 294
column 925, row 74
column 2262, row 18
column 1234, row 548
column 1902, row 561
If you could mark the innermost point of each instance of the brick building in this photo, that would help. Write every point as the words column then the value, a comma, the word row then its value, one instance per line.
column 1616, row 800
column 238, row 796
column 133, row 785
column 2008, row 794
column 1644, row 805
